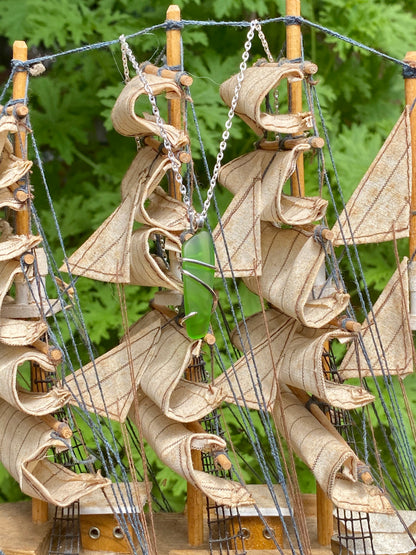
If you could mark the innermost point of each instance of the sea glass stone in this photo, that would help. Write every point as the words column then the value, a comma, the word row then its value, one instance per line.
column 196, row 297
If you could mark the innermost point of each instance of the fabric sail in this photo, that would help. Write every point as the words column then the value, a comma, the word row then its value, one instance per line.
column 258, row 81
column 173, row 444
column 331, row 460
column 386, row 337
column 284, row 350
column 24, row 445
column 291, row 264
column 257, row 180
column 379, row 208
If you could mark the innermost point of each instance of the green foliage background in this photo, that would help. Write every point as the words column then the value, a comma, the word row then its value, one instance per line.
column 85, row 159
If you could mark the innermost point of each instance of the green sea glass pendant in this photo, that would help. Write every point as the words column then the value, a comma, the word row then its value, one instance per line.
column 198, row 267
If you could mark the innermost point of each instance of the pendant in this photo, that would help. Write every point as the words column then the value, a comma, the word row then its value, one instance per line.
column 198, row 268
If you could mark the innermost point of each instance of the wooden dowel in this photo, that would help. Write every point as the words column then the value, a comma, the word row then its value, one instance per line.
column 326, row 233
column 293, row 52
column 223, row 461
column 61, row 428
column 173, row 58
column 53, row 353
column 185, row 79
column 346, row 323
column 195, row 499
column 410, row 96
column 314, row 142
column 22, row 225
column 19, row 91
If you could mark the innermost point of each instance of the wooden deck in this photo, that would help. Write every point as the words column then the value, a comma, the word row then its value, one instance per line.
column 19, row 536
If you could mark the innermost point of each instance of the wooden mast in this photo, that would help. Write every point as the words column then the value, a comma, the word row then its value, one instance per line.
column 195, row 498
column 410, row 97
column 294, row 52
column 22, row 227
column 297, row 182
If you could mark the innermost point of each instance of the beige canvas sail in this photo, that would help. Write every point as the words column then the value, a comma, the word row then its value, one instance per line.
column 331, row 460
column 7, row 125
column 16, row 245
column 173, row 444
column 7, row 199
column 257, row 180
column 21, row 332
column 108, row 385
column 128, row 123
column 11, row 358
column 8, row 270
column 283, row 349
column 258, row 81
column 153, row 206
column 147, row 268
column 24, row 445
column 381, row 202
column 12, row 168
column 238, row 238
column 386, row 338
column 291, row 263
column 106, row 255
column 163, row 382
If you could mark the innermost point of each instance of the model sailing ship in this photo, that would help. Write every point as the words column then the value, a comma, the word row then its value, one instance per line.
column 279, row 366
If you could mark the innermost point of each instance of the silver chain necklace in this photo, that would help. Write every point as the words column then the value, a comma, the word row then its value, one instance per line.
column 127, row 54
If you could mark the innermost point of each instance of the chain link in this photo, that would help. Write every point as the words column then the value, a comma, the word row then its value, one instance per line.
column 194, row 217
column 125, row 62
column 228, row 123
column 160, row 123
column 270, row 58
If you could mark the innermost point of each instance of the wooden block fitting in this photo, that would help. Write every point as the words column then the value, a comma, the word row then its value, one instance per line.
column 210, row 339
column 21, row 195
column 28, row 258
column 223, row 461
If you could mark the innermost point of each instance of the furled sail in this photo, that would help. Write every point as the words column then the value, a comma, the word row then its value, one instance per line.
column 21, row 332
column 153, row 206
column 16, row 245
column 107, row 254
column 173, row 443
column 379, row 208
column 148, row 268
column 128, row 123
column 290, row 353
column 28, row 401
column 24, row 445
column 329, row 457
column 386, row 338
column 12, row 169
column 257, row 180
column 153, row 358
column 258, row 81
column 108, row 385
column 8, row 125
column 291, row 264
column 177, row 397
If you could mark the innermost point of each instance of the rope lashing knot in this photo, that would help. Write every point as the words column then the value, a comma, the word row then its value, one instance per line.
column 91, row 459
column 293, row 20
column 409, row 71
column 172, row 25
